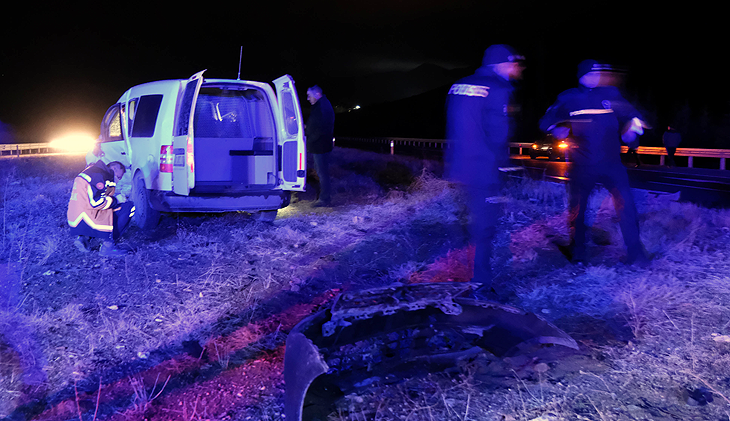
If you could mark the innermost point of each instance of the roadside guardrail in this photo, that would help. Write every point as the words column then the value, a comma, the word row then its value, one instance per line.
column 722, row 154
column 24, row 148
column 394, row 142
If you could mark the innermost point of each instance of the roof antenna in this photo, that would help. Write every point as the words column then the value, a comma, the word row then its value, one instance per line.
column 240, row 55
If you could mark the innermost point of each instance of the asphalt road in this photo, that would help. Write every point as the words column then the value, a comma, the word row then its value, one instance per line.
column 706, row 187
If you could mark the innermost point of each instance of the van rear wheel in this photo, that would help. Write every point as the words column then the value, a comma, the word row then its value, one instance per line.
column 145, row 217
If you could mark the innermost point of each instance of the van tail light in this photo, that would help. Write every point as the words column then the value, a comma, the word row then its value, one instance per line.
column 166, row 158
column 189, row 157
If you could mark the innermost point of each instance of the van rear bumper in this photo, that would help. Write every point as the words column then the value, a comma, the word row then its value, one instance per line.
column 252, row 201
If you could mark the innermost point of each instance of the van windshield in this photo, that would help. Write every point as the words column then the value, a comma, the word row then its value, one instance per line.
column 232, row 113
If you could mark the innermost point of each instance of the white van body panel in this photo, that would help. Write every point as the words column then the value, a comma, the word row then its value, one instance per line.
column 237, row 136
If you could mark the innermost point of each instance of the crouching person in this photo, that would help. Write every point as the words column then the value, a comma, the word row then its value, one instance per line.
column 94, row 211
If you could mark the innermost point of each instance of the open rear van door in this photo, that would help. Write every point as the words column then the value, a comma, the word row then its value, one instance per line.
column 183, row 139
column 292, row 152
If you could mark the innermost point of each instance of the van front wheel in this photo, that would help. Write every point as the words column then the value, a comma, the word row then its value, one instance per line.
column 145, row 217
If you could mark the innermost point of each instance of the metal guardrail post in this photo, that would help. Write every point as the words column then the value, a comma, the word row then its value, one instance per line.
column 690, row 161
column 722, row 163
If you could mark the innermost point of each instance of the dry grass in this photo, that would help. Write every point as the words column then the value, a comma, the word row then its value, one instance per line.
column 216, row 279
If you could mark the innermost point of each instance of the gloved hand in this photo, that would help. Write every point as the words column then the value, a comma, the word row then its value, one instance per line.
column 121, row 198
column 636, row 126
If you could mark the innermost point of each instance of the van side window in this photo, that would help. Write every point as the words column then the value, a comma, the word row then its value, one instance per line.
column 145, row 116
column 131, row 114
column 111, row 125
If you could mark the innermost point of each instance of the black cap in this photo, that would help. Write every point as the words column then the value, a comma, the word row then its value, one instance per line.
column 500, row 53
column 587, row 66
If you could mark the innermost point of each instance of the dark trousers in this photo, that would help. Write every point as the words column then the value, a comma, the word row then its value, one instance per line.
column 616, row 181
column 635, row 155
column 122, row 217
column 670, row 156
column 484, row 215
column 322, row 167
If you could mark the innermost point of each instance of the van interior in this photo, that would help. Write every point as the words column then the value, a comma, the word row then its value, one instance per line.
column 234, row 139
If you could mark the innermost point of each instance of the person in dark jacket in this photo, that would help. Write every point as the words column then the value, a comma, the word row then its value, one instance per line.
column 93, row 211
column 319, row 130
column 597, row 118
column 671, row 139
column 478, row 109
column 634, row 153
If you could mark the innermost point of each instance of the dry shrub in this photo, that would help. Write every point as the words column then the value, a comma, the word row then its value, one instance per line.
column 427, row 183
column 651, row 298
column 539, row 234
column 565, row 292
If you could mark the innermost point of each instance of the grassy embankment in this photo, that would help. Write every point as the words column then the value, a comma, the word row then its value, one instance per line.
column 205, row 296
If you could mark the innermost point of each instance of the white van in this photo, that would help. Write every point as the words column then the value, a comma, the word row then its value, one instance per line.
column 208, row 145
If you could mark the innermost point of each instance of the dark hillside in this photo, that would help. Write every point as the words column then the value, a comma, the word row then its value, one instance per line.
column 420, row 116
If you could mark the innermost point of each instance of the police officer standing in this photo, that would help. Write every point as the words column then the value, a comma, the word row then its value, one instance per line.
column 671, row 139
column 478, row 111
column 597, row 118
column 319, row 130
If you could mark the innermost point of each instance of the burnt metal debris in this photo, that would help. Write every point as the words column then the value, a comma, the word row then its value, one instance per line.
column 386, row 334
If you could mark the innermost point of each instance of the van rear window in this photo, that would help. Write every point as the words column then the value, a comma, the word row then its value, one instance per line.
column 145, row 116
column 230, row 113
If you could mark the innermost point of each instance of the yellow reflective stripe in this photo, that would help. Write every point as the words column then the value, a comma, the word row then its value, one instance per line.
column 591, row 111
column 85, row 177
column 83, row 216
column 94, row 203
column 108, row 202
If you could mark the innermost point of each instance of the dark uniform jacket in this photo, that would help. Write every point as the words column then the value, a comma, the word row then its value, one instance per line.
column 671, row 138
column 596, row 117
column 477, row 127
column 92, row 203
column 320, row 127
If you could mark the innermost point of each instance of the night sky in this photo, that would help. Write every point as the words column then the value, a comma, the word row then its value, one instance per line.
column 62, row 66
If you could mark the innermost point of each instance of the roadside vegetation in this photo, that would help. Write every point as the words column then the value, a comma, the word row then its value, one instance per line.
column 193, row 324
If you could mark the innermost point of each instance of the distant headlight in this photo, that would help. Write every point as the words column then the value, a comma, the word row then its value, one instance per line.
column 562, row 145
column 74, row 143
column 534, row 146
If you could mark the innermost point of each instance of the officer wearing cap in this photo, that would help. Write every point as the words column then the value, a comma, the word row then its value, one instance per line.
column 597, row 118
column 478, row 112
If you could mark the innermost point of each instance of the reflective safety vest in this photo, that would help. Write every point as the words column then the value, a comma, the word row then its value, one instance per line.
column 92, row 201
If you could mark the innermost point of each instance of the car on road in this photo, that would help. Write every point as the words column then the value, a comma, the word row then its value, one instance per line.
column 207, row 145
column 550, row 147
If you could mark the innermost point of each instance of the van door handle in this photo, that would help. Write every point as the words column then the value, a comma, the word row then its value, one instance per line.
column 124, row 153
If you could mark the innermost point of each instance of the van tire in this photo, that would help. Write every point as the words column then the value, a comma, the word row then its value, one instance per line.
column 145, row 217
column 265, row 215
